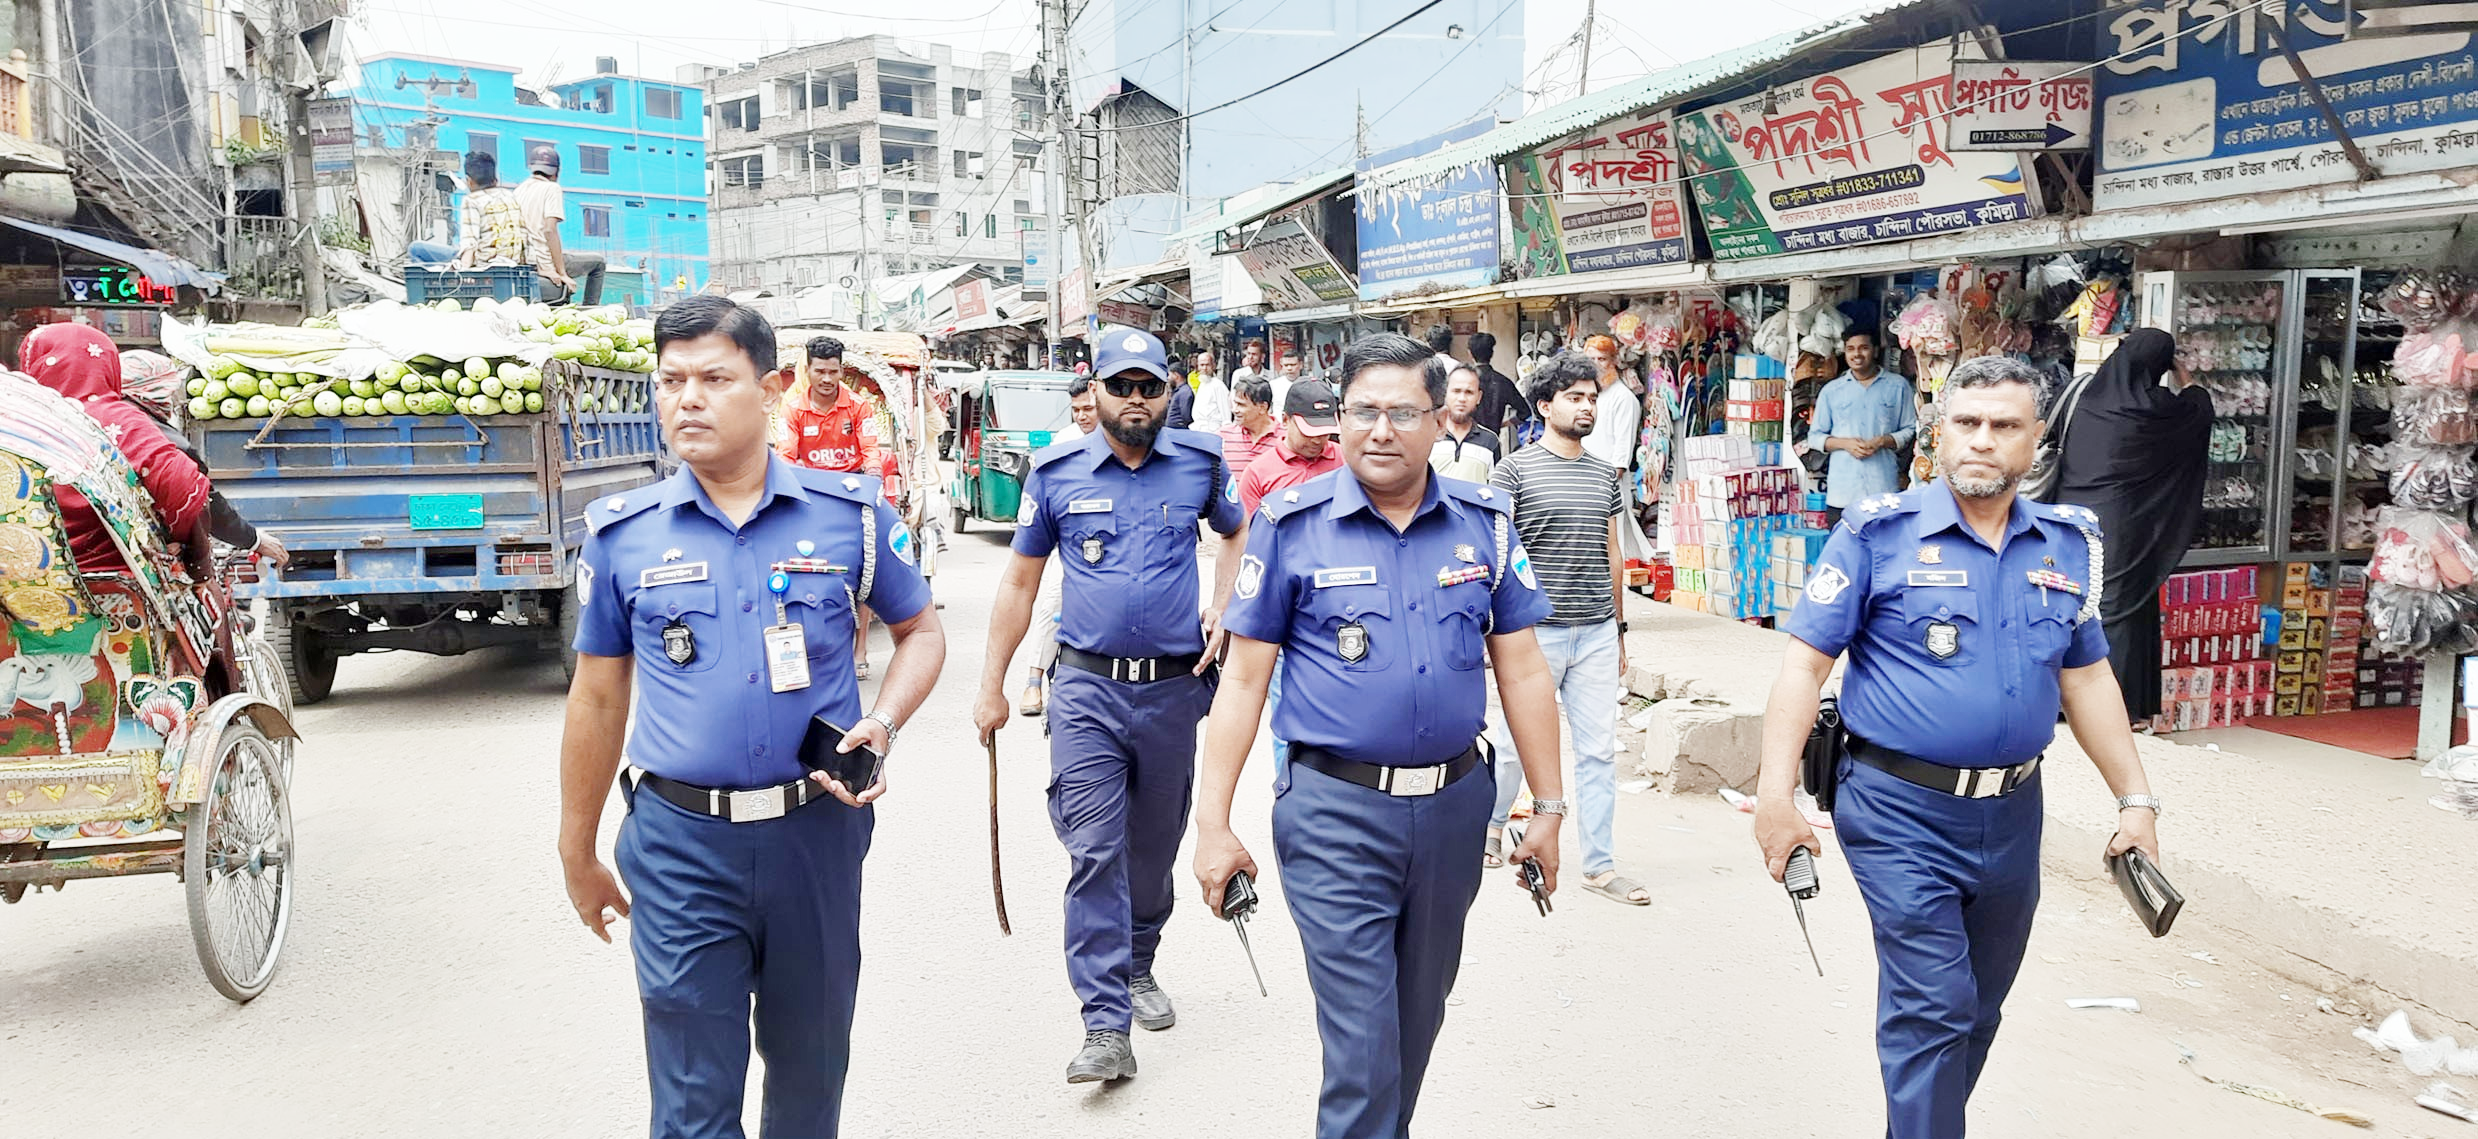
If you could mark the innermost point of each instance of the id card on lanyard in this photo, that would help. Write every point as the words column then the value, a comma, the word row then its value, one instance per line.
column 787, row 646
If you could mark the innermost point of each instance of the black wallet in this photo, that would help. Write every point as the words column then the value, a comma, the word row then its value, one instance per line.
column 2147, row 890
column 1820, row 767
column 856, row 769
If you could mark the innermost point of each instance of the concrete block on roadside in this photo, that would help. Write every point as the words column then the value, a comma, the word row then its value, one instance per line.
column 1656, row 682
column 1698, row 746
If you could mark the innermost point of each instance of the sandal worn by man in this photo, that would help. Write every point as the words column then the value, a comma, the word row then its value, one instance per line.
column 1621, row 889
column 1493, row 855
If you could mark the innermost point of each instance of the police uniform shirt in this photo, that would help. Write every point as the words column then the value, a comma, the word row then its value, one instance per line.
column 666, row 577
column 1127, row 538
column 1383, row 631
column 1954, row 647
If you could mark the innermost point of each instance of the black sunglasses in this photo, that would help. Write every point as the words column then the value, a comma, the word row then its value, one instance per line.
column 1120, row 388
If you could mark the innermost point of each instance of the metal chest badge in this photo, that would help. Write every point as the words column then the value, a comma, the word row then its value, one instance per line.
column 1092, row 549
column 1944, row 639
column 679, row 643
column 1352, row 642
column 1931, row 554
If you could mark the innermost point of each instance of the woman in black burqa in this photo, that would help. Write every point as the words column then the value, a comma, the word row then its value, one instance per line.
column 2134, row 454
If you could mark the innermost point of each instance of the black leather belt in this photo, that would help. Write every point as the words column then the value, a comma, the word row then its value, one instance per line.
column 1400, row 782
column 749, row 806
column 1132, row 670
column 1967, row 782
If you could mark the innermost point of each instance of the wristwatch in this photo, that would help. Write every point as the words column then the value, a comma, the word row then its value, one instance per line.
column 2150, row 801
column 1549, row 807
column 879, row 714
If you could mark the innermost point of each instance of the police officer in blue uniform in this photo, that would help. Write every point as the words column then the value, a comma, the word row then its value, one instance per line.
column 724, row 595
column 1970, row 615
column 1381, row 587
column 1119, row 507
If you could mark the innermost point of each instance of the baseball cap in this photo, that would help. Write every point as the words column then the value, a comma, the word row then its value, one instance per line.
column 543, row 160
column 1126, row 349
column 1314, row 402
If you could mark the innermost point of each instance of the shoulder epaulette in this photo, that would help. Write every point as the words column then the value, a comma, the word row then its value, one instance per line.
column 1291, row 500
column 606, row 511
column 1205, row 441
column 846, row 485
column 1870, row 511
column 2078, row 517
column 1485, row 495
column 1056, row 451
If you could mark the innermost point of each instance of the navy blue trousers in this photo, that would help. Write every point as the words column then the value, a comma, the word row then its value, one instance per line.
column 1122, row 777
column 1379, row 888
column 721, row 913
column 1951, row 884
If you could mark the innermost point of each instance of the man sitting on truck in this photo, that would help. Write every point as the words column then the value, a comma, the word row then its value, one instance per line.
column 494, row 221
column 832, row 430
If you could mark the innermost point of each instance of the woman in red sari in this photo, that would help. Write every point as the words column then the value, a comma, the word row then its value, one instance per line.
column 79, row 362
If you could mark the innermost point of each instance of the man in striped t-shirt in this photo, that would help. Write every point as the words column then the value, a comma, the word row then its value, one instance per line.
column 1567, row 508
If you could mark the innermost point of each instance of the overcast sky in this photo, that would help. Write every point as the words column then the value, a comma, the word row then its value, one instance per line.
column 553, row 40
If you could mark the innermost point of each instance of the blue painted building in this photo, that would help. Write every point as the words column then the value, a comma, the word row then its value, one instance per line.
column 632, row 154
column 1135, row 63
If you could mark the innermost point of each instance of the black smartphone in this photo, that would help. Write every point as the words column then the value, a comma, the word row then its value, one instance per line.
column 856, row 769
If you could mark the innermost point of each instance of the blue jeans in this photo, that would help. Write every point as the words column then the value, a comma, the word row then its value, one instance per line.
column 1583, row 663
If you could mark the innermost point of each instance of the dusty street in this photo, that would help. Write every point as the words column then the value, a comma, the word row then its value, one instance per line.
column 437, row 983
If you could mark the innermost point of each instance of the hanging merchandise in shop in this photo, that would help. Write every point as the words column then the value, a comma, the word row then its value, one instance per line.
column 1606, row 198
column 1294, row 268
column 2196, row 104
column 1847, row 158
column 2425, row 564
column 1416, row 239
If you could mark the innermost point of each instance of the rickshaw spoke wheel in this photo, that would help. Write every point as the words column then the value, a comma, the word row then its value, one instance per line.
column 237, row 859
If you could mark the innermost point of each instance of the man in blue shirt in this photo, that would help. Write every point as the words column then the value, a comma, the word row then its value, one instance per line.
column 1120, row 507
column 725, row 596
column 1970, row 616
column 1863, row 419
column 1382, row 588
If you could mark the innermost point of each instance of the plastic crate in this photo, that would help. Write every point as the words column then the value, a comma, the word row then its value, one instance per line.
column 423, row 285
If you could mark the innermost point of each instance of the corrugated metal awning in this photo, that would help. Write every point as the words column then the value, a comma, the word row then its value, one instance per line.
column 161, row 268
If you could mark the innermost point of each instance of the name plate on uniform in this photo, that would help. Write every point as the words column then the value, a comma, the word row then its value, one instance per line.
column 1958, row 579
column 1350, row 575
column 671, row 575
column 1089, row 506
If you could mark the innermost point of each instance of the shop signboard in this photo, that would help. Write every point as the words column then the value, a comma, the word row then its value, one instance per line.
column 331, row 140
column 1435, row 236
column 1204, row 284
column 2196, row 106
column 971, row 300
column 2020, row 104
column 1294, row 268
column 1850, row 157
column 1075, row 302
column 1606, row 198
column 1036, row 263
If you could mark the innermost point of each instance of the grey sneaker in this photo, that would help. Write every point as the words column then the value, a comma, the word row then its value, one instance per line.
column 1106, row 1056
column 1153, row 1011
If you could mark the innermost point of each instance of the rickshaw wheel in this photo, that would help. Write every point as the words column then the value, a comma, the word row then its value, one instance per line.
column 309, row 668
column 237, row 864
column 269, row 682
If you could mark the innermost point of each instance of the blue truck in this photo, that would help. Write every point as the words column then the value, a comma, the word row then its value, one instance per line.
column 430, row 533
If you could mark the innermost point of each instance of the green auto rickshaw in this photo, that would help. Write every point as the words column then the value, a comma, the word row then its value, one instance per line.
column 1000, row 419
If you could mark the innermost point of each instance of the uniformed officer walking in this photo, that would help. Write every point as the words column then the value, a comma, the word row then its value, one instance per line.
column 725, row 595
column 1382, row 587
column 1120, row 507
column 1969, row 615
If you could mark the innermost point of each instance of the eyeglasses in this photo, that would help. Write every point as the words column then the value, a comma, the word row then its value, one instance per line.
column 1141, row 389
column 1403, row 418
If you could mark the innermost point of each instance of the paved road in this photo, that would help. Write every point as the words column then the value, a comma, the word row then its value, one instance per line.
column 438, row 984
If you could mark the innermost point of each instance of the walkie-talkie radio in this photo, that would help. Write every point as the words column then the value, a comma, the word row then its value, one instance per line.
column 1238, row 901
column 1798, row 877
column 1533, row 880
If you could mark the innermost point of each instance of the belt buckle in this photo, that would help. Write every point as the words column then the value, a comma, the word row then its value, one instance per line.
column 1413, row 782
column 755, row 806
column 1987, row 782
